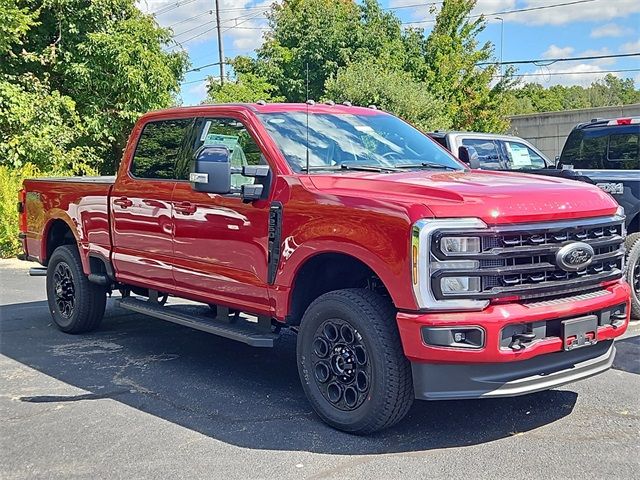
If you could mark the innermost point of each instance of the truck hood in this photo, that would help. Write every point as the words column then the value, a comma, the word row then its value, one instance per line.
column 494, row 197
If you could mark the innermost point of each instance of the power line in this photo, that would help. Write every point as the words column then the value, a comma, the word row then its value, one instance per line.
column 543, row 62
column 168, row 8
column 576, row 73
column 507, row 12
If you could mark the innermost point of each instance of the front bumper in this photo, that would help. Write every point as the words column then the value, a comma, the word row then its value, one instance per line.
column 495, row 369
column 492, row 380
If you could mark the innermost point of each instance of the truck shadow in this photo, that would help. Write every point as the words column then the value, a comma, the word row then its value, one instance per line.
column 237, row 394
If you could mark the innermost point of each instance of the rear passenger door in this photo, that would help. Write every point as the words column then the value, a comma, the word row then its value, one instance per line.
column 141, row 206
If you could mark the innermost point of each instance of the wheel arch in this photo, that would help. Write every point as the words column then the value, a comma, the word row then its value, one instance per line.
column 322, row 271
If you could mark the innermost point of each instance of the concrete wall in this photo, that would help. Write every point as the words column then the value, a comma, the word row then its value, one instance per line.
column 548, row 131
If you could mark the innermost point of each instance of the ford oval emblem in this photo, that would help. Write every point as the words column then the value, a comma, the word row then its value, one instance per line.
column 574, row 256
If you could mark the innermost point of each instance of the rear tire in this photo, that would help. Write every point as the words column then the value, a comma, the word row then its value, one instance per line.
column 633, row 276
column 351, row 363
column 76, row 304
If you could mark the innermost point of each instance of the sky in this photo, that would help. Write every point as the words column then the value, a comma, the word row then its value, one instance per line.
column 542, row 29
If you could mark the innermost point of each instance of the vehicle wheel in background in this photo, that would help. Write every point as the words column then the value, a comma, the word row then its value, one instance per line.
column 351, row 363
column 76, row 304
column 633, row 274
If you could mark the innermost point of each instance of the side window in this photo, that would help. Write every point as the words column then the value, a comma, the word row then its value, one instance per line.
column 521, row 157
column 585, row 149
column 158, row 149
column 488, row 154
column 623, row 151
column 234, row 135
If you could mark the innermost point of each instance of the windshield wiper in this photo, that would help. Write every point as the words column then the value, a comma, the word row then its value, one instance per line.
column 356, row 168
column 426, row 165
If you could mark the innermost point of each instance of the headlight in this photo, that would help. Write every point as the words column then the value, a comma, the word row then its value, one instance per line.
column 460, row 285
column 432, row 242
column 449, row 245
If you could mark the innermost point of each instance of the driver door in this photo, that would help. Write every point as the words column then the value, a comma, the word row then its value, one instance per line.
column 220, row 242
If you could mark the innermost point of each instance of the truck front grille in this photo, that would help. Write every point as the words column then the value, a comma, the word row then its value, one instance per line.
column 520, row 260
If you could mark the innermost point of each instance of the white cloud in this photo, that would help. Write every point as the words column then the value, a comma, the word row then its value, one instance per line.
column 557, row 52
column 581, row 74
column 598, row 10
column 199, row 91
column 630, row 47
column 610, row 30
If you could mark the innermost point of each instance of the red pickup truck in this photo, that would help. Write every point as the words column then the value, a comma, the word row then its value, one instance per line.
column 405, row 274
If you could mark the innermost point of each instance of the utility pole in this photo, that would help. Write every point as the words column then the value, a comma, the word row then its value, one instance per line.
column 501, row 44
column 220, row 49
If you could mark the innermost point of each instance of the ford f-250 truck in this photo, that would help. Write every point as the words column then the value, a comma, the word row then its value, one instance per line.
column 405, row 274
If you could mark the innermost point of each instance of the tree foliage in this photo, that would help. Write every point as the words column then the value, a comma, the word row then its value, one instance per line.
column 247, row 87
column 453, row 56
column 103, row 60
column 611, row 90
column 396, row 91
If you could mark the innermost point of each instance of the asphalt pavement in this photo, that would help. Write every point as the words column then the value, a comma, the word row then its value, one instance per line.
column 141, row 398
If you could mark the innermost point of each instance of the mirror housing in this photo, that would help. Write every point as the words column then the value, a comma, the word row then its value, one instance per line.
column 211, row 170
column 469, row 156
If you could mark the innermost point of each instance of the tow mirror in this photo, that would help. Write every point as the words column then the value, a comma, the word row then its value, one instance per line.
column 211, row 170
column 469, row 156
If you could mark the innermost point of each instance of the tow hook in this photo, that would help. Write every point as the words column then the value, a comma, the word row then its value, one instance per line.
column 518, row 338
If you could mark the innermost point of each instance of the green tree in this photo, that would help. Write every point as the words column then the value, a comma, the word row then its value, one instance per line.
column 452, row 55
column 107, row 56
column 396, row 91
column 326, row 35
column 246, row 87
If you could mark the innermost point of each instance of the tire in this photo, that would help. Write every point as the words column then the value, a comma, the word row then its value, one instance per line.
column 76, row 304
column 633, row 276
column 358, row 329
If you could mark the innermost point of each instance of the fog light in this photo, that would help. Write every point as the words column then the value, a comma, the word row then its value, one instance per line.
column 456, row 337
column 450, row 285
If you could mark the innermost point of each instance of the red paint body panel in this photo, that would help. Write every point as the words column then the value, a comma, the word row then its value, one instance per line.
column 217, row 252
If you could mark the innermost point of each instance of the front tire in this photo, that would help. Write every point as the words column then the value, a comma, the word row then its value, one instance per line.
column 76, row 304
column 351, row 363
column 633, row 275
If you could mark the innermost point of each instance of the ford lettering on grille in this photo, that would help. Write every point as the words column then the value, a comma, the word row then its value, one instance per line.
column 575, row 256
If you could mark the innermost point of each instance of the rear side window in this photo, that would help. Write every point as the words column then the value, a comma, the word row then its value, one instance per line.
column 488, row 152
column 158, row 149
column 521, row 157
column 612, row 148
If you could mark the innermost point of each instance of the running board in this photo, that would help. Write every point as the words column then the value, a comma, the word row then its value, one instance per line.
column 240, row 331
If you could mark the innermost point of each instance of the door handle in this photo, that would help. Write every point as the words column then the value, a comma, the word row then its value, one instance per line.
column 123, row 202
column 186, row 208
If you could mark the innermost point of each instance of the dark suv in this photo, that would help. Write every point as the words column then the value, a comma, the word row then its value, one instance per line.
column 608, row 153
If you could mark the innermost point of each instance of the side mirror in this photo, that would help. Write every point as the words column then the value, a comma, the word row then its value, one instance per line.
column 211, row 170
column 556, row 161
column 469, row 156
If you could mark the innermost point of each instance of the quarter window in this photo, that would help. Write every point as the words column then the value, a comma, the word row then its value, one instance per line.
column 158, row 149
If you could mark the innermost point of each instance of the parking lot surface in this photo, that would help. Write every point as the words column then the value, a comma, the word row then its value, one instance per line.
column 141, row 398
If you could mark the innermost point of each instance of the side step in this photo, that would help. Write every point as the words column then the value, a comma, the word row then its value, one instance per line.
column 241, row 331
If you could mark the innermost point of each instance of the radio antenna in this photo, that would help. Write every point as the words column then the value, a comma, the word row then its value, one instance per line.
column 308, row 102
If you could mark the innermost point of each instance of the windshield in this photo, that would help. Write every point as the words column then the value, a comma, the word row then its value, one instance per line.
column 345, row 141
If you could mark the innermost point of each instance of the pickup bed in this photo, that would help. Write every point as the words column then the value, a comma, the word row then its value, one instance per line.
column 405, row 274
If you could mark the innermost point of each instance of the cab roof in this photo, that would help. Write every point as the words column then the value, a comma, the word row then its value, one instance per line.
column 262, row 107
